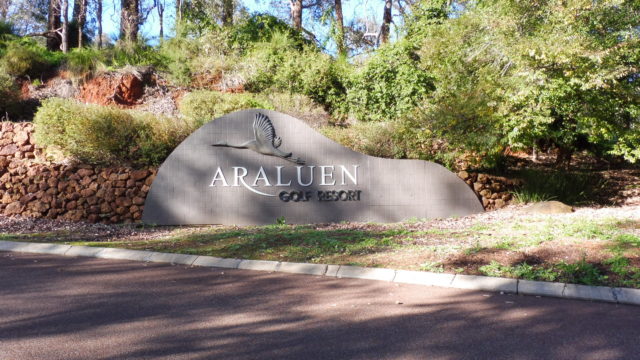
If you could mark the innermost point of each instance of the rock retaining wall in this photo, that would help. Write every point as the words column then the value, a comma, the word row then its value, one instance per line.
column 493, row 191
column 31, row 186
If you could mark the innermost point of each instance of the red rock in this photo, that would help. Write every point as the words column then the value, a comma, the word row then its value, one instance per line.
column 105, row 208
column 138, row 200
column 85, row 172
column 139, row 174
column 149, row 180
column 71, row 205
column 123, row 201
column 25, row 199
column 14, row 208
column 87, row 193
column 10, row 149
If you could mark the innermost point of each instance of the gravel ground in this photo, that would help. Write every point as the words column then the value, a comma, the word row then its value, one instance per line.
column 101, row 232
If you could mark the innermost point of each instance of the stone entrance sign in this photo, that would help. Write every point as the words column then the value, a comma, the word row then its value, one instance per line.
column 257, row 166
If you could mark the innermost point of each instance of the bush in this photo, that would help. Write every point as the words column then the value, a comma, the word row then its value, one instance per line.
column 202, row 106
column 568, row 187
column 6, row 28
column 9, row 95
column 390, row 84
column 279, row 65
column 83, row 62
column 298, row 106
column 261, row 28
column 105, row 135
column 27, row 58
column 375, row 139
column 135, row 54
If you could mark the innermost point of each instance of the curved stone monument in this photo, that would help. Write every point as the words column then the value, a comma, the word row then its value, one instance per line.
column 257, row 166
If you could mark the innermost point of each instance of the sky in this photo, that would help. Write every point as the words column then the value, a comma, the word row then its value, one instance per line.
column 149, row 31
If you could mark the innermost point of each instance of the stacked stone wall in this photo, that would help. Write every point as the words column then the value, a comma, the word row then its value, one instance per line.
column 31, row 186
column 495, row 192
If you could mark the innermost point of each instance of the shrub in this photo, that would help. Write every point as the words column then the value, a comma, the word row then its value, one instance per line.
column 27, row 58
column 202, row 106
column 373, row 139
column 206, row 54
column 280, row 65
column 9, row 95
column 261, row 28
column 105, row 135
column 83, row 62
column 6, row 28
column 135, row 54
column 390, row 84
column 568, row 187
column 298, row 106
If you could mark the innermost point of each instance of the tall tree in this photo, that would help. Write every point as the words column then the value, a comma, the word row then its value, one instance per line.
column 65, row 26
column 4, row 9
column 227, row 12
column 296, row 13
column 160, row 5
column 340, row 44
column 99, row 21
column 54, row 25
column 129, row 20
column 386, row 21
column 79, row 18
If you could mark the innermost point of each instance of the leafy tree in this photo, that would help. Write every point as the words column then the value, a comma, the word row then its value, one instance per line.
column 522, row 74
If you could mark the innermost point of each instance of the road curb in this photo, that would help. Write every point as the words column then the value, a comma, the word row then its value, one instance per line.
column 458, row 281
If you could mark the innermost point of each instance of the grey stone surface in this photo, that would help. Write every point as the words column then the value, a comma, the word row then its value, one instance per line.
column 83, row 251
column 423, row 278
column 548, row 207
column 261, row 265
column 627, row 296
column 542, row 288
column 122, row 254
column 9, row 245
column 366, row 273
column 390, row 190
column 34, row 247
column 485, row 283
column 332, row 270
column 601, row 293
column 172, row 258
column 302, row 268
column 217, row 262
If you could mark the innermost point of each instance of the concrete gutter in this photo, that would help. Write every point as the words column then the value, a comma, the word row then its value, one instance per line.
column 459, row 281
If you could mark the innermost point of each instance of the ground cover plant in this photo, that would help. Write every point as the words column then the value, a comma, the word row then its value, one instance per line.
column 592, row 247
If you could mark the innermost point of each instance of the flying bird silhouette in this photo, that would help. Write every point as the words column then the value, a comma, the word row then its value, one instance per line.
column 265, row 140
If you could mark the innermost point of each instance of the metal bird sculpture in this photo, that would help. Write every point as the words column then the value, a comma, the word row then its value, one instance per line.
column 265, row 140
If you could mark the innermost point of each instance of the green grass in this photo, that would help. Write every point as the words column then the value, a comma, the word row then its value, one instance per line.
column 569, row 187
column 499, row 248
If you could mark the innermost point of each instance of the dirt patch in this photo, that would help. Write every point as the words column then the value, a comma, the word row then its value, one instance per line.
column 113, row 88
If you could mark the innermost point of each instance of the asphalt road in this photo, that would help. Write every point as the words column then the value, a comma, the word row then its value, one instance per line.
column 54, row 307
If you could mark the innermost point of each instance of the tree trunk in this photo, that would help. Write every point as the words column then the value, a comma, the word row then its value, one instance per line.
column 4, row 9
column 65, row 26
column 99, row 19
column 342, row 50
column 53, row 26
column 80, row 18
column 160, row 8
column 296, row 13
column 129, row 20
column 386, row 21
column 227, row 12
column 178, row 12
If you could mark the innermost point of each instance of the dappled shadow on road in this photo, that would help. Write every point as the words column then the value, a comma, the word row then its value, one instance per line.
column 111, row 309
